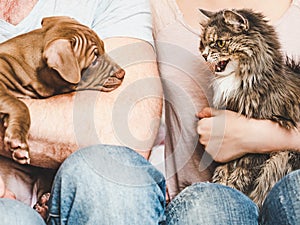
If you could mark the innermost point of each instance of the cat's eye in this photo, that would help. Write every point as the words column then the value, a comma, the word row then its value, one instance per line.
column 220, row 43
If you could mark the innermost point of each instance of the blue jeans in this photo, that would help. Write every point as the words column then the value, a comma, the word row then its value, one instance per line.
column 114, row 185
column 107, row 185
column 211, row 204
column 14, row 212
column 98, row 185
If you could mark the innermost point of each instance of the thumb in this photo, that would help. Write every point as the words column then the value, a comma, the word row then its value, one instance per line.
column 207, row 112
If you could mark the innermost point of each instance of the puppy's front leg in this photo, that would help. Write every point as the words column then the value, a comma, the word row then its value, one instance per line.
column 16, row 122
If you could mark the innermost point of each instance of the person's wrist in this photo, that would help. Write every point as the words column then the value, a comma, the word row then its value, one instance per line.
column 267, row 136
column 257, row 136
column 293, row 139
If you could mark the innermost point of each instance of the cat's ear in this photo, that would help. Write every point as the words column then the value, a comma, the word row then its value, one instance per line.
column 207, row 13
column 235, row 20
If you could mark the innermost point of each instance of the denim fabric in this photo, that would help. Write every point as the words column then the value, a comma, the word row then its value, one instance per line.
column 211, row 204
column 14, row 212
column 107, row 185
column 114, row 185
column 282, row 205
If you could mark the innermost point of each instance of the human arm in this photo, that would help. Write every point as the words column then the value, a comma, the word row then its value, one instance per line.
column 61, row 124
column 227, row 135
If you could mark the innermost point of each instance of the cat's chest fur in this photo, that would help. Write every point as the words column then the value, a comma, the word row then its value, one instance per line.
column 251, row 76
column 224, row 89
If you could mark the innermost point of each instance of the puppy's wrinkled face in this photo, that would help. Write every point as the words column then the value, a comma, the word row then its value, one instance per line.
column 74, row 50
column 85, row 43
column 103, row 74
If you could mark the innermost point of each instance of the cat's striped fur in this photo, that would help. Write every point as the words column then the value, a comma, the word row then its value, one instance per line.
column 253, row 79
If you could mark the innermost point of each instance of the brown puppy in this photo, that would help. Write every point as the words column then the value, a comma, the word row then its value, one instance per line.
column 60, row 57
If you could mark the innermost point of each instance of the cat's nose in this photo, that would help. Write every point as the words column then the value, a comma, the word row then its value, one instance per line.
column 205, row 56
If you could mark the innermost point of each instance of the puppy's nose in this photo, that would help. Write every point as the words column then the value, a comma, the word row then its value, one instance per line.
column 120, row 74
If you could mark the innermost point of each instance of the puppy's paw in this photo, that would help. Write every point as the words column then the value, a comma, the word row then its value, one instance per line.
column 17, row 144
column 41, row 206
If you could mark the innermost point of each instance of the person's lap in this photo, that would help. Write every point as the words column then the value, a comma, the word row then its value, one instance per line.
column 100, row 185
column 109, row 184
column 208, row 203
column 13, row 212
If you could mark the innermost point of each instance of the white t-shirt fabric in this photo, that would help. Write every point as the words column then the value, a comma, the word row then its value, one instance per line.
column 108, row 18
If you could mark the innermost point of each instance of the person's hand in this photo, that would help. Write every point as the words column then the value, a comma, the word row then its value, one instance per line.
column 4, row 192
column 227, row 135
column 220, row 133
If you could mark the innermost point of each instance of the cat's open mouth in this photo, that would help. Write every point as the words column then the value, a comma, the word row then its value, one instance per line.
column 221, row 66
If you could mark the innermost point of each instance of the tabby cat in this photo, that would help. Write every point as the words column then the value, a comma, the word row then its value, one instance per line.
column 253, row 78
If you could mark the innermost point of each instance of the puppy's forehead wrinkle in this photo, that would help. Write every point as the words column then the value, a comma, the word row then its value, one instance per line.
column 74, row 30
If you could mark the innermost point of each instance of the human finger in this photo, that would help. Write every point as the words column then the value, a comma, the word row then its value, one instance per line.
column 204, row 130
column 207, row 112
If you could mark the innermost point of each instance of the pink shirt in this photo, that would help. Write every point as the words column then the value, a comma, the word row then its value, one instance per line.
column 185, row 80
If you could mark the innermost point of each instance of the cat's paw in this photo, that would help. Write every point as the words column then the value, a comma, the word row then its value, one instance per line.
column 41, row 206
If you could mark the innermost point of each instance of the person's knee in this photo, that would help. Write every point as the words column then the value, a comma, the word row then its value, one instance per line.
column 282, row 203
column 286, row 190
column 212, row 195
column 209, row 203
column 13, row 212
column 291, row 180
column 113, row 163
column 108, row 179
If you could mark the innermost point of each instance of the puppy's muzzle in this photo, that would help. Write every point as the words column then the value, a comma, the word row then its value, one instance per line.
column 120, row 74
column 113, row 81
column 103, row 74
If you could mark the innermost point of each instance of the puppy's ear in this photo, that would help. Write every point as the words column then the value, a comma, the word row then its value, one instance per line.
column 45, row 20
column 55, row 19
column 59, row 56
